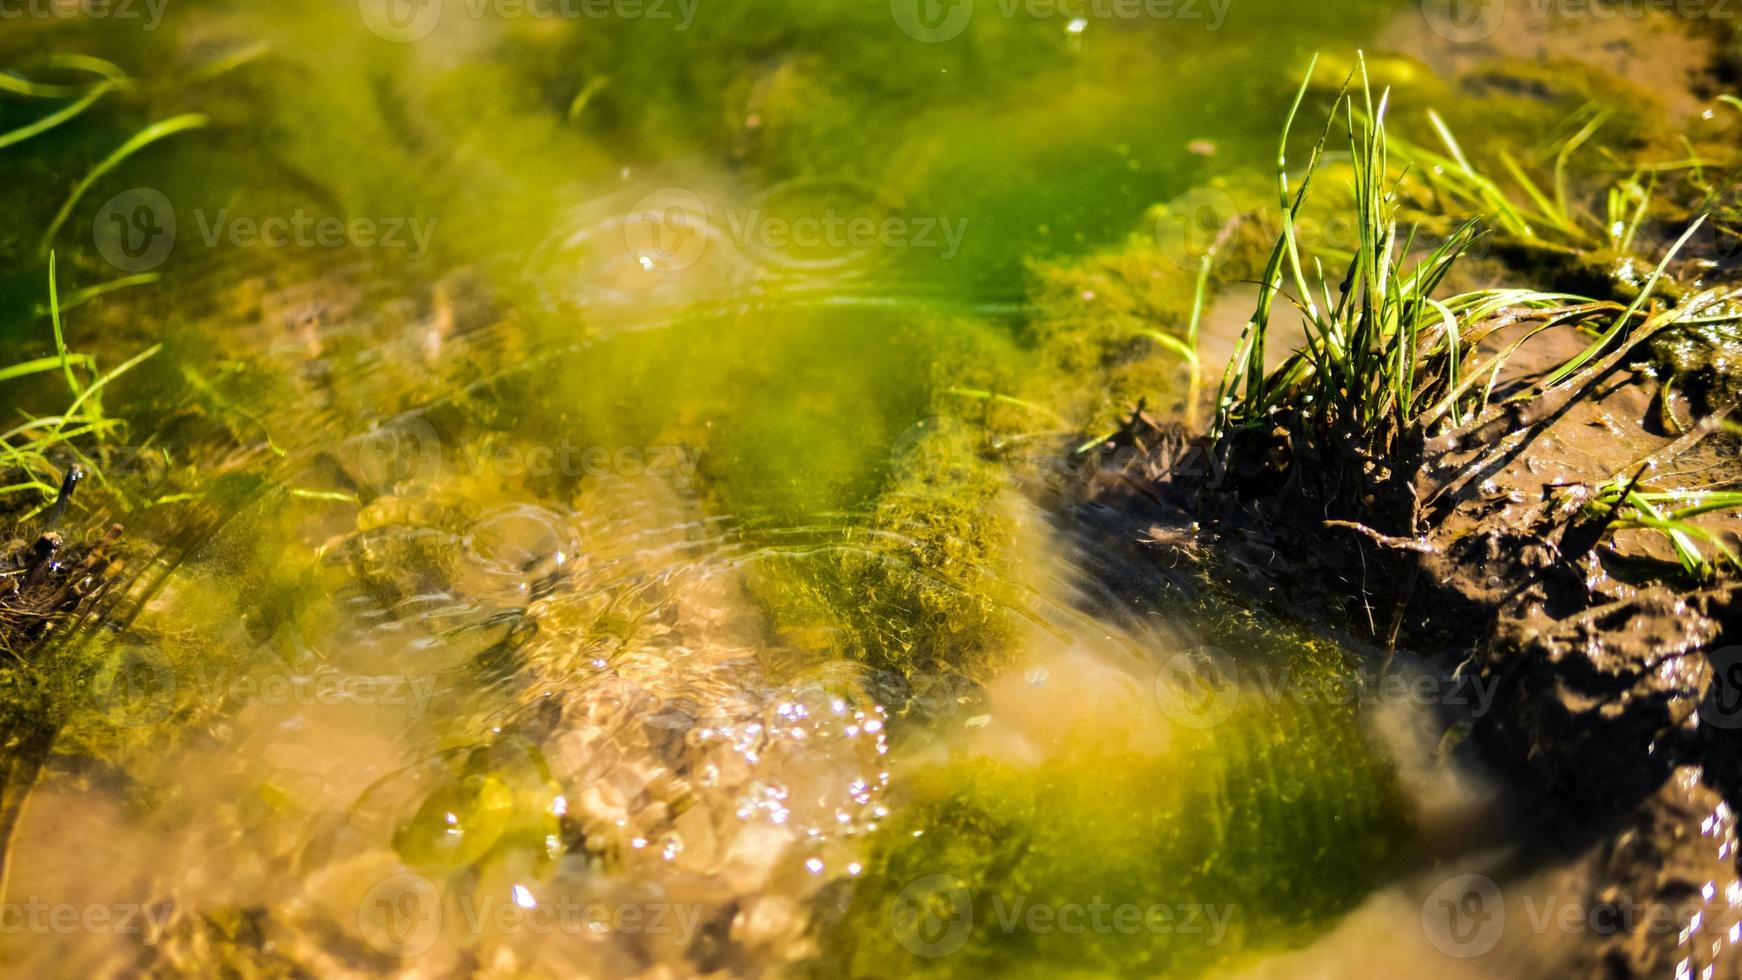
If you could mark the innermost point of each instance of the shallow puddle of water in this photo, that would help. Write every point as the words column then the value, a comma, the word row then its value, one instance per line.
column 641, row 581
column 635, row 742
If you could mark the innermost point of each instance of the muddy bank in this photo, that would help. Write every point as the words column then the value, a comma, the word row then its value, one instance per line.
column 1480, row 555
column 1584, row 658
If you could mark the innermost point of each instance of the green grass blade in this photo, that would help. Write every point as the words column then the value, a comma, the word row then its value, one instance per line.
column 1547, row 211
column 1172, row 345
column 1565, row 155
column 60, row 340
column 140, row 140
column 40, row 365
column 1583, row 357
column 97, row 386
column 80, row 297
column 54, row 119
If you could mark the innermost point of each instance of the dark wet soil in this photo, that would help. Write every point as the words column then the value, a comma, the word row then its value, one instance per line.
column 43, row 580
column 1475, row 554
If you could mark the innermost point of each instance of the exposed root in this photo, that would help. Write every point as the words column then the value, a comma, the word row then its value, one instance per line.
column 1386, row 540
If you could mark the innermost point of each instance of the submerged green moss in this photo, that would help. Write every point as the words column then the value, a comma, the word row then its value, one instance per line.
column 922, row 580
column 1249, row 835
column 916, row 576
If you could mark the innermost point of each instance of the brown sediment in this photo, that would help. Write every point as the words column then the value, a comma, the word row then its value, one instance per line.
column 1477, row 552
column 1673, row 59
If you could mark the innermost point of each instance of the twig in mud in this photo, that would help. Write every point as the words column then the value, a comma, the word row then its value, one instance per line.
column 1386, row 540
column 75, row 473
column 1688, row 440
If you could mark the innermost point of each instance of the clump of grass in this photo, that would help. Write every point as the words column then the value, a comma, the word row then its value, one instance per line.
column 1601, row 237
column 27, row 448
column 1361, row 364
column 1383, row 354
column 1384, row 357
